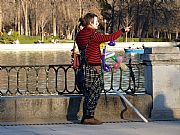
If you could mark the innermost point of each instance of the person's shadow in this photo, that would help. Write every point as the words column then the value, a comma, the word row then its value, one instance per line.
column 161, row 108
column 74, row 109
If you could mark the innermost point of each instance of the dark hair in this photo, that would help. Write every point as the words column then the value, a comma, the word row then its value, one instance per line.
column 80, row 22
column 89, row 17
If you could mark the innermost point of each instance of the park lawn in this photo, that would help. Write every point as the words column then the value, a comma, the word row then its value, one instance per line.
column 48, row 39
column 34, row 39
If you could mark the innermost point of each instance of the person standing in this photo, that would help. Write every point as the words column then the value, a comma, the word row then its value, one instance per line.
column 89, row 41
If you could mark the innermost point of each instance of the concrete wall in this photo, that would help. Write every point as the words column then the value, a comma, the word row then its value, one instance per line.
column 55, row 109
column 162, row 77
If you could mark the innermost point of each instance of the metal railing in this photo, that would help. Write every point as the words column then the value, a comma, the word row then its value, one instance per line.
column 60, row 80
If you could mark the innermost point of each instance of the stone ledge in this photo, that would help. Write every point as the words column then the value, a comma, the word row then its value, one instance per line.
column 161, row 57
column 161, row 50
column 69, row 108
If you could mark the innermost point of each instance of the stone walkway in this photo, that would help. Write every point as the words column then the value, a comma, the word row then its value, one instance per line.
column 122, row 128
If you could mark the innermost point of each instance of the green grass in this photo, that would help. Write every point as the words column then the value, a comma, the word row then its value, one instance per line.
column 28, row 39
column 5, row 39
column 33, row 39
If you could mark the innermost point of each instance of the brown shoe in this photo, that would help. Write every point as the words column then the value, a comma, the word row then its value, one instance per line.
column 91, row 121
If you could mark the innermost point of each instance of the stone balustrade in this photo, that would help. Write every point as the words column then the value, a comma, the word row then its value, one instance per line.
column 162, row 77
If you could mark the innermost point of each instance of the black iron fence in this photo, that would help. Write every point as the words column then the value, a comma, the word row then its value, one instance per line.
column 60, row 80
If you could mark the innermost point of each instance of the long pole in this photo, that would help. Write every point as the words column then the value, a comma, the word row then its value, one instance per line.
column 139, row 114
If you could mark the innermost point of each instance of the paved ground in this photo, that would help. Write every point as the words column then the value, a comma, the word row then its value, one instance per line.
column 122, row 128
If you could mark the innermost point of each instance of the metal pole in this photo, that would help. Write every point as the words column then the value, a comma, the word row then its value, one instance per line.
column 139, row 114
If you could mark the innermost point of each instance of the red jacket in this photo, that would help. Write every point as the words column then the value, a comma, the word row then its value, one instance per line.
column 93, row 53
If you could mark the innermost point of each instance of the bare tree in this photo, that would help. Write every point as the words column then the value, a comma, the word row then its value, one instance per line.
column 8, row 11
column 43, row 14
column 54, row 7
column 151, row 18
column 18, row 16
column 25, row 4
column 1, row 16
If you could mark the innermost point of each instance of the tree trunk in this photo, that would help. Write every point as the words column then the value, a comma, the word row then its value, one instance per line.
column 36, row 21
column 24, row 6
column 176, row 34
column 158, row 33
column 42, row 25
column 165, row 36
column 170, row 36
column 42, row 34
column 80, row 8
column 26, row 20
column 54, row 25
column 37, row 28
column 18, row 16
column 0, row 17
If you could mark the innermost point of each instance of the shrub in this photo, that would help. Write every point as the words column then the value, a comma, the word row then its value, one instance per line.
column 6, row 39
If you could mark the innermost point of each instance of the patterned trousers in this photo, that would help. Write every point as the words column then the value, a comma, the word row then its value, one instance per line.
column 93, row 89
